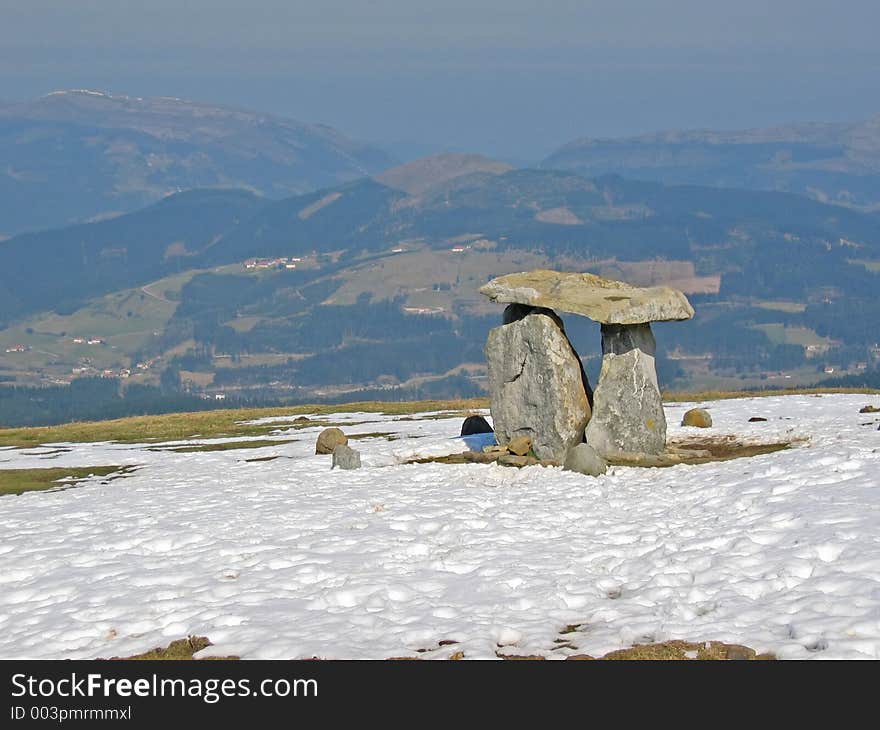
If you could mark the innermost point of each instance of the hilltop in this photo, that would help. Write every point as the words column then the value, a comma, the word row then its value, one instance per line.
column 834, row 163
column 72, row 156
column 420, row 176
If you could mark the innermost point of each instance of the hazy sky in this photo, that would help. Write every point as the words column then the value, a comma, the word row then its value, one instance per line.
column 513, row 78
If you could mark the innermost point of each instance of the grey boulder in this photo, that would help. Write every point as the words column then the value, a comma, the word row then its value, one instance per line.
column 536, row 385
column 583, row 459
column 346, row 457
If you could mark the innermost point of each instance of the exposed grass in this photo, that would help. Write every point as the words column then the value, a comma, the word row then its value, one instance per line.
column 19, row 481
column 182, row 649
column 710, row 395
column 387, row 435
column 781, row 306
column 703, row 450
column 675, row 650
column 726, row 448
column 684, row 650
column 779, row 334
column 210, row 424
column 224, row 446
column 445, row 459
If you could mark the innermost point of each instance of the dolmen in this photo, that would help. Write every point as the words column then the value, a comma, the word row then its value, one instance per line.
column 537, row 385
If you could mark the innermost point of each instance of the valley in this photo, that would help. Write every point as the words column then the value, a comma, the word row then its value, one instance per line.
column 368, row 289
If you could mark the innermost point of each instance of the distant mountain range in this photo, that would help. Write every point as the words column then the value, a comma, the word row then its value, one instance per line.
column 72, row 156
column 361, row 286
column 294, row 263
column 834, row 163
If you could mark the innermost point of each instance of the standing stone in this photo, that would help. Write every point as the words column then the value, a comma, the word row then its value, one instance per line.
column 515, row 312
column 346, row 457
column 536, row 385
column 627, row 409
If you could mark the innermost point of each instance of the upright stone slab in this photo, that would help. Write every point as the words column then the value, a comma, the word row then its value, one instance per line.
column 536, row 384
column 627, row 409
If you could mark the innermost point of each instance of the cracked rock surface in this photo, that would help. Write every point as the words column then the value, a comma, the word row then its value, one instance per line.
column 604, row 300
column 536, row 384
column 627, row 408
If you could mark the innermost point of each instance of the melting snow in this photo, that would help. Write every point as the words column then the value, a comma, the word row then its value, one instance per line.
column 287, row 559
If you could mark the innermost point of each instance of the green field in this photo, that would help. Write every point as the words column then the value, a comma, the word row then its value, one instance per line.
column 126, row 320
column 779, row 334
column 19, row 481
column 213, row 424
column 781, row 306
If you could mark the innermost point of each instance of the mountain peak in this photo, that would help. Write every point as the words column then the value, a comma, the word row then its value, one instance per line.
column 419, row 176
column 129, row 151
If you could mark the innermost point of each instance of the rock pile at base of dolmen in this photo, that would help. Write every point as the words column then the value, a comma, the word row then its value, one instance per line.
column 537, row 385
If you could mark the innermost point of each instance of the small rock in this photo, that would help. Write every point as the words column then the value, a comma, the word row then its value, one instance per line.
column 869, row 409
column 302, row 419
column 584, row 459
column 479, row 457
column 494, row 449
column 698, row 417
column 514, row 460
column 734, row 652
column 346, row 457
column 474, row 425
column 329, row 439
column 519, row 445
column 756, row 419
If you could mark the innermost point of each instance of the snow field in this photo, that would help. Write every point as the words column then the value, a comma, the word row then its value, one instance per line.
column 288, row 559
